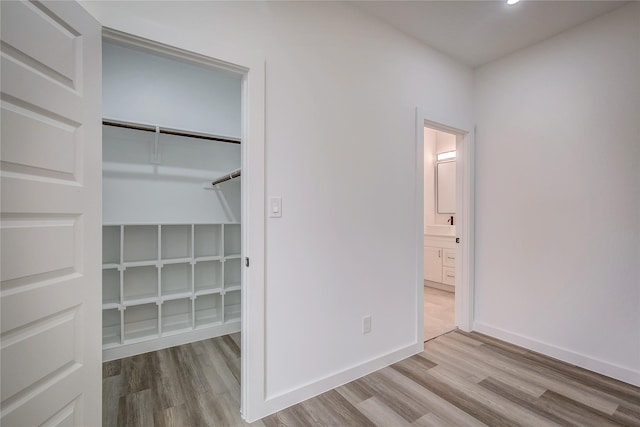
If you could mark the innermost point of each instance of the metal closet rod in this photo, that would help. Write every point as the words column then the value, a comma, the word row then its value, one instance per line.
column 228, row 177
column 168, row 131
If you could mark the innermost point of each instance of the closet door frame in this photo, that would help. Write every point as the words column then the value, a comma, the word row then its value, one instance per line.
column 253, row 202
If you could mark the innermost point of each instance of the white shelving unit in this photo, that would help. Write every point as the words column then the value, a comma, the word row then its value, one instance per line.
column 168, row 284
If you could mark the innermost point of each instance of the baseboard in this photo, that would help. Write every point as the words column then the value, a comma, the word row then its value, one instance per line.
column 167, row 341
column 441, row 286
column 611, row 370
column 283, row 400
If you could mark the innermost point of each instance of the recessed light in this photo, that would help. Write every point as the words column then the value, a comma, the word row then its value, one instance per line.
column 510, row 2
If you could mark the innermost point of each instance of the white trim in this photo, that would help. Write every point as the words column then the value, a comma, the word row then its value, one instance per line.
column 419, row 224
column 465, row 215
column 611, row 370
column 314, row 388
column 253, row 362
column 168, row 51
column 169, row 340
column 465, row 193
column 253, row 404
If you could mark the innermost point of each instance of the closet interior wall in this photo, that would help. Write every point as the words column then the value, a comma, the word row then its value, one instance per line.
column 171, row 241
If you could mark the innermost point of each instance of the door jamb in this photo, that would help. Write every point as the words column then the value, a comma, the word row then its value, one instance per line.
column 252, row 212
column 464, row 229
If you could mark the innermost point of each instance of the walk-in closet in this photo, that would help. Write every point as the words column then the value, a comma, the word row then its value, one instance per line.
column 172, row 232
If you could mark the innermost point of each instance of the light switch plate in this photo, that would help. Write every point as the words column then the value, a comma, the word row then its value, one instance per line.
column 275, row 207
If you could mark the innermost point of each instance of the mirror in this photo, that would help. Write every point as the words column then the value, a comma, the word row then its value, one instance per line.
column 446, row 187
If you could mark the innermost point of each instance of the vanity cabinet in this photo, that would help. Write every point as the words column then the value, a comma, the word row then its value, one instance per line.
column 449, row 267
column 433, row 264
column 440, row 261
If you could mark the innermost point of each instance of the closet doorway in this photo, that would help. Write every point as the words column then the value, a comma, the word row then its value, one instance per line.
column 173, row 235
column 439, row 232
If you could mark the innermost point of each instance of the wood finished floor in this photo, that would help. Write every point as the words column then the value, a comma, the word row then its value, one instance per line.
column 460, row 379
column 438, row 312
column 195, row 384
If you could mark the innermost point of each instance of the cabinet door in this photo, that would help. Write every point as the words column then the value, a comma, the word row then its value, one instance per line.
column 433, row 264
column 449, row 259
column 449, row 276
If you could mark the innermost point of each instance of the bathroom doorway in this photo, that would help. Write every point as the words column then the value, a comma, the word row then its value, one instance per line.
column 440, row 155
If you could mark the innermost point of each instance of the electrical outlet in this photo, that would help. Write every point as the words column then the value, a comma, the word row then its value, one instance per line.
column 366, row 324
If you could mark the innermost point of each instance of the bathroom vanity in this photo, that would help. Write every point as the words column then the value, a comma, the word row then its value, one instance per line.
column 440, row 257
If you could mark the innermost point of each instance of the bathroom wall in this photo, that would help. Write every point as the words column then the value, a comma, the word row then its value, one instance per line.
column 430, row 141
column 435, row 142
column 445, row 142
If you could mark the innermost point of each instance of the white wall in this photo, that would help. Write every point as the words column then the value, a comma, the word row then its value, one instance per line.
column 147, row 88
column 341, row 95
column 445, row 142
column 430, row 141
column 136, row 190
column 435, row 142
column 558, row 206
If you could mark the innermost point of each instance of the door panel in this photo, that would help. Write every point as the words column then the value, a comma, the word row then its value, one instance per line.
column 50, row 167
column 37, row 246
column 56, row 57
column 33, row 140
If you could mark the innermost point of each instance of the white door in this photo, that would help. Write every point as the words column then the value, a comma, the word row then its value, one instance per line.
column 50, row 174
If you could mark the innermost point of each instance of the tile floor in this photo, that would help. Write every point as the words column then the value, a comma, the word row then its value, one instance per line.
column 438, row 312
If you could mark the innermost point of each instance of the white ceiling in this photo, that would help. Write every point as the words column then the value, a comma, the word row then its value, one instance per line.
column 480, row 31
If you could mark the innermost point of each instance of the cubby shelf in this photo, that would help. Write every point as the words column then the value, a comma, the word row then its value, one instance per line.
column 163, row 280
column 177, row 315
column 111, row 327
column 232, row 306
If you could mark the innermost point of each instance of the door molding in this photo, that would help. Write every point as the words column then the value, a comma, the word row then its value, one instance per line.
column 465, row 216
column 252, row 211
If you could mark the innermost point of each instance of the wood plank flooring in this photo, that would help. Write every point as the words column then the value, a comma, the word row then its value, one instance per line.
column 439, row 312
column 472, row 380
column 196, row 384
column 460, row 379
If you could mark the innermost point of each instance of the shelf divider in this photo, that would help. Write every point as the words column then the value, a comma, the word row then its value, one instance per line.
column 164, row 280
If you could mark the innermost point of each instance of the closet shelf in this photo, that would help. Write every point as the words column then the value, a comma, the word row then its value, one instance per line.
column 169, row 131
column 175, row 296
column 210, row 291
column 201, row 223
column 110, row 305
column 141, row 300
column 208, row 258
column 169, row 261
column 191, row 285
column 110, row 266
column 147, row 263
column 232, row 287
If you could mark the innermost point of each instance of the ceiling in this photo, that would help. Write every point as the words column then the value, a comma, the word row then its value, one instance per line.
column 480, row 31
